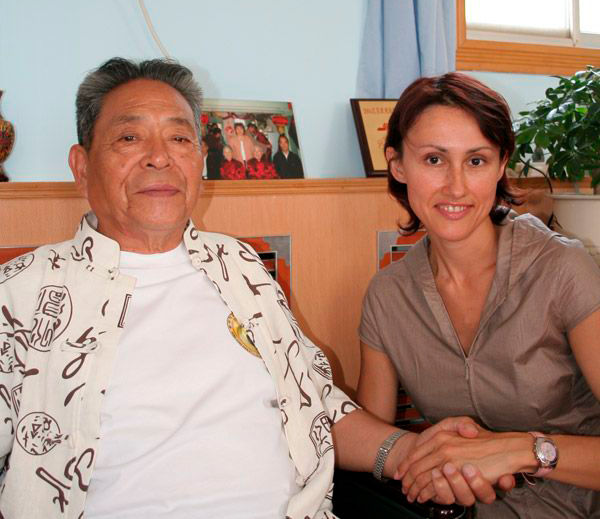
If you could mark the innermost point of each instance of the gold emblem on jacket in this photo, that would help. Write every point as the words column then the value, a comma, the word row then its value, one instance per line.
column 241, row 335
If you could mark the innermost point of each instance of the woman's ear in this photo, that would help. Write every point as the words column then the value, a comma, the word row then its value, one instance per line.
column 502, row 169
column 395, row 164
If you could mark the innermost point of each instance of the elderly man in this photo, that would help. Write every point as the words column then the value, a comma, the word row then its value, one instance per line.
column 154, row 370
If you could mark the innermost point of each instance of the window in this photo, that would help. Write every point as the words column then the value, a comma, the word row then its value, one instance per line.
column 543, row 37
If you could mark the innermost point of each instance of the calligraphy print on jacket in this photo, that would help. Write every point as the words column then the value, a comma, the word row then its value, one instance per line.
column 62, row 310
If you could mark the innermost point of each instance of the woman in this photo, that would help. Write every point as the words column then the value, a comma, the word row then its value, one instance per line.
column 231, row 169
column 241, row 144
column 491, row 315
column 259, row 166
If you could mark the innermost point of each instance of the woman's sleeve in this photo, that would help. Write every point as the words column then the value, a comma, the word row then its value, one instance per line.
column 369, row 325
column 579, row 286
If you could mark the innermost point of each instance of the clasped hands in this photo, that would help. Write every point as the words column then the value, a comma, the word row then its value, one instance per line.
column 456, row 461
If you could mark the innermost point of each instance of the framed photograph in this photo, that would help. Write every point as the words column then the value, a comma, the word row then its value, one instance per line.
column 276, row 253
column 371, row 119
column 250, row 140
column 391, row 246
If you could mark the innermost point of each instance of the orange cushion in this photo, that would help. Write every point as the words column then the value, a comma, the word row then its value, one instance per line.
column 8, row 253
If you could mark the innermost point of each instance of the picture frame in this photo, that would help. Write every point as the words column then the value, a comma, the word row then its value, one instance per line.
column 276, row 254
column 371, row 119
column 392, row 246
column 268, row 126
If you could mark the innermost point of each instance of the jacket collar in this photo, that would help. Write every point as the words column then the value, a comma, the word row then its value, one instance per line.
column 91, row 246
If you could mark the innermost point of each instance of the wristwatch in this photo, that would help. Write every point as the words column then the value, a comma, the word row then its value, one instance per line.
column 545, row 452
column 383, row 452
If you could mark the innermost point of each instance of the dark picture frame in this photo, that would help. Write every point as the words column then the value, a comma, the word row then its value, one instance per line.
column 371, row 119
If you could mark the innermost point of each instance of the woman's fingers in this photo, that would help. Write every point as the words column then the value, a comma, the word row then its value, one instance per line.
column 506, row 482
column 481, row 488
column 411, row 462
column 418, row 474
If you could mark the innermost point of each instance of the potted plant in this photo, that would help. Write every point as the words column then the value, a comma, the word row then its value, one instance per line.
column 563, row 130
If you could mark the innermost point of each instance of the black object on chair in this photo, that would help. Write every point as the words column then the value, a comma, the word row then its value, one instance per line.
column 358, row 495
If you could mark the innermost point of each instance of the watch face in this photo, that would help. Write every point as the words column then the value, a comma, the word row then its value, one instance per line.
column 546, row 452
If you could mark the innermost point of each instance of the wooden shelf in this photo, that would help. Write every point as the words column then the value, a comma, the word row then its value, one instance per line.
column 305, row 186
column 12, row 190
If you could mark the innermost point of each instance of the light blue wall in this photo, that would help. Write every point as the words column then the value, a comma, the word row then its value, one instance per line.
column 304, row 51
column 520, row 90
column 301, row 51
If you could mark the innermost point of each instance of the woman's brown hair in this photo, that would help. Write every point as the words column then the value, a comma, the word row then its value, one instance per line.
column 487, row 107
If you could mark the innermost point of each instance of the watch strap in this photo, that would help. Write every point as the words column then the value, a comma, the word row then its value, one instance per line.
column 384, row 451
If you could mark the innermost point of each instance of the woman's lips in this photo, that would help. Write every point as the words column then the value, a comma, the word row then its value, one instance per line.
column 453, row 211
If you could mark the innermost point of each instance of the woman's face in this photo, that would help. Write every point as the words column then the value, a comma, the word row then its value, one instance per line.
column 227, row 153
column 451, row 171
column 258, row 153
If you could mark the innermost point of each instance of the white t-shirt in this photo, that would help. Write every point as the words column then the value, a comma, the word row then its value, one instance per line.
column 190, row 426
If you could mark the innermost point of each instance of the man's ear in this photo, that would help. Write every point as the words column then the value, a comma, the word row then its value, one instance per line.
column 78, row 162
column 393, row 159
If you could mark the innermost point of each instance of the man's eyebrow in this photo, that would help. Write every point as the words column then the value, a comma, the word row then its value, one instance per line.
column 181, row 120
column 129, row 118
column 126, row 118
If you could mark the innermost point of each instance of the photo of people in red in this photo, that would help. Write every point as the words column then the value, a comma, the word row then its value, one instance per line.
column 250, row 140
column 231, row 169
column 259, row 167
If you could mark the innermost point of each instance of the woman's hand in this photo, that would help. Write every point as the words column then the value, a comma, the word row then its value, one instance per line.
column 452, row 485
column 463, row 462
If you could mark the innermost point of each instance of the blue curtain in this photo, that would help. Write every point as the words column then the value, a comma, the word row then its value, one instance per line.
column 404, row 40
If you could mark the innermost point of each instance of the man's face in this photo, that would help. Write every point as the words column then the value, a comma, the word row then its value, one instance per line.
column 252, row 130
column 142, row 172
column 284, row 145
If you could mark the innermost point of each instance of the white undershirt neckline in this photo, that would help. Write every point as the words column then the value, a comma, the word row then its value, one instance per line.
column 188, row 422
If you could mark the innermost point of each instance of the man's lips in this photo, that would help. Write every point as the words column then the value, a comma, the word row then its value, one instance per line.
column 159, row 190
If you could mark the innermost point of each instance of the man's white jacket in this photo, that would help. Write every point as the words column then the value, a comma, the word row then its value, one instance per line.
column 62, row 310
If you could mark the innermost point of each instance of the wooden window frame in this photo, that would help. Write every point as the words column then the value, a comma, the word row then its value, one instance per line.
column 526, row 58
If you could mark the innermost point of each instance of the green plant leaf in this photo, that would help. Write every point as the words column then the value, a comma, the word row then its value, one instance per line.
column 526, row 135
column 542, row 139
column 566, row 124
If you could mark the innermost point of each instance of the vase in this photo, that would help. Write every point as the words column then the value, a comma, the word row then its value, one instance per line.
column 577, row 217
column 7, row 139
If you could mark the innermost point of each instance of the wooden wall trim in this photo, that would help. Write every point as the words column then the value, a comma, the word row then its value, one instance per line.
column 306, row 186
column 12, row 190
column 334, row 240
column 525, row 58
